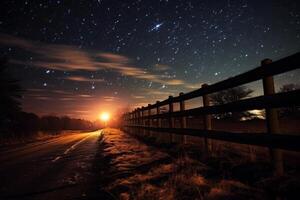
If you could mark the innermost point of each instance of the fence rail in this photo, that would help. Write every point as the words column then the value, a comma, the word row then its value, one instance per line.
column 284, row 65
column 288, row 142
column 142, row 118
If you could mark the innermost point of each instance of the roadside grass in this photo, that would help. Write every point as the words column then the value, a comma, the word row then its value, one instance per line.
column 190, row 175
column 184, row 179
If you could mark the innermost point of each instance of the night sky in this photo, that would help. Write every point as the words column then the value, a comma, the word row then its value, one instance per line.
column 79, row 58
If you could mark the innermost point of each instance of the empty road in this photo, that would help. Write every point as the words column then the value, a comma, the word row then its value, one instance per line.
column 58, row 168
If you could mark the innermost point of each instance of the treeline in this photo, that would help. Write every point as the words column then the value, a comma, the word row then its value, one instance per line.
column 31, row 122
column 15, row 122
column 24, row 123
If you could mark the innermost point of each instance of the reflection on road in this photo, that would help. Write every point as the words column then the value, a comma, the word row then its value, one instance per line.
column 49, row 169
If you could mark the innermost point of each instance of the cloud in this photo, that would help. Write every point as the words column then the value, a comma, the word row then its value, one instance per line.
column 83, row 79
column 16, row 41
column 48, row 94
column 114, row 58
column 70, row 58
column 67, row 99
column 61, row 92
column 81, row 111
column 161, row 67
column 47, row 91
column 158, row 94
column 42, row 98
column 193, row 85
column 174, row 82
column 85, row 95
column 52, row 56
column 110, row 98
column 138, row 97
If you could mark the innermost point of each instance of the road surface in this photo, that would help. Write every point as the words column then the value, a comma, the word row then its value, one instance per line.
column 110, row 164
column 58, row 168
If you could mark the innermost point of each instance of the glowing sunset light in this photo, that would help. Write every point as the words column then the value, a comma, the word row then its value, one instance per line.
column 104, row 116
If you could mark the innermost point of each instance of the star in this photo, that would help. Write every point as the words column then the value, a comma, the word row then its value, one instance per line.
column 70, row 53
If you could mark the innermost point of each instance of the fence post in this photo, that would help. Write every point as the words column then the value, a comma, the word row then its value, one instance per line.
column 207, row 122
column 134, row 116
column 158, row 120
column 129, row 118
column 133, row 129
column 183, row 118
column 272, row 121
column 143, row 120
column 125, row 123
column 171, row 119
column 137, row 121
column 149, row 120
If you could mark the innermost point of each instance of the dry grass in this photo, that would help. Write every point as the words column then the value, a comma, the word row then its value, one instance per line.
column 230, row 189
column 185, row 176
column 182, row 179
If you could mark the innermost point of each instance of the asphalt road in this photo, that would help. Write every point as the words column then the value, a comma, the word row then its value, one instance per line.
column 58, row 168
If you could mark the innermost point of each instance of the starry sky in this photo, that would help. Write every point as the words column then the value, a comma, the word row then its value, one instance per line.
column 79, row 58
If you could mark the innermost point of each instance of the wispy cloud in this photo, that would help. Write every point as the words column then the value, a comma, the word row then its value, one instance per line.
column 138, row 97
column 67, row 99
column 193, row 85
column 48, row 94
column 81, row 111
column 154, row 94
column 70, row 58
column 161, row 67
column 83, row 79
column 110, row 98
column 114, row 58
column 47, row 91
column 85, row 95
column 174, row 82
column 42, row 98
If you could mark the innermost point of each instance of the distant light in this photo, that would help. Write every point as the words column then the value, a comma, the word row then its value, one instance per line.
column 104, row 116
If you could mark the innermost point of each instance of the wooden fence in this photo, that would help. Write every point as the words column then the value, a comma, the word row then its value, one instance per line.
column 142, row 118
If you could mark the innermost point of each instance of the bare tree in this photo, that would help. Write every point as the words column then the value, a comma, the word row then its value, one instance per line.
column 293, row 111
column 231, row 95
column 289, row 87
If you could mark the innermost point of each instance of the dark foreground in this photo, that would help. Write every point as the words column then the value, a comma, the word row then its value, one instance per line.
column 109, row 164
column 57, row 168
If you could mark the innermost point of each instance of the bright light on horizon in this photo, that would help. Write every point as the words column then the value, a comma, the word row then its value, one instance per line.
column 104, row 116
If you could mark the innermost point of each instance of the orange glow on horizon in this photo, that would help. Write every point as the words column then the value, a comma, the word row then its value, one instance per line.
column 105, row 116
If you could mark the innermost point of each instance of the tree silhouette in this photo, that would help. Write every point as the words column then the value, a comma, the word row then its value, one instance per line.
column 18, row 123
column 293, row 111
column 25, row 124
column 10, row 94
column 231, row 95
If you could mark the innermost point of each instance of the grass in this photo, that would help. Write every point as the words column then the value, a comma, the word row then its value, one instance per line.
column 186, row 180
column 227, row 174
